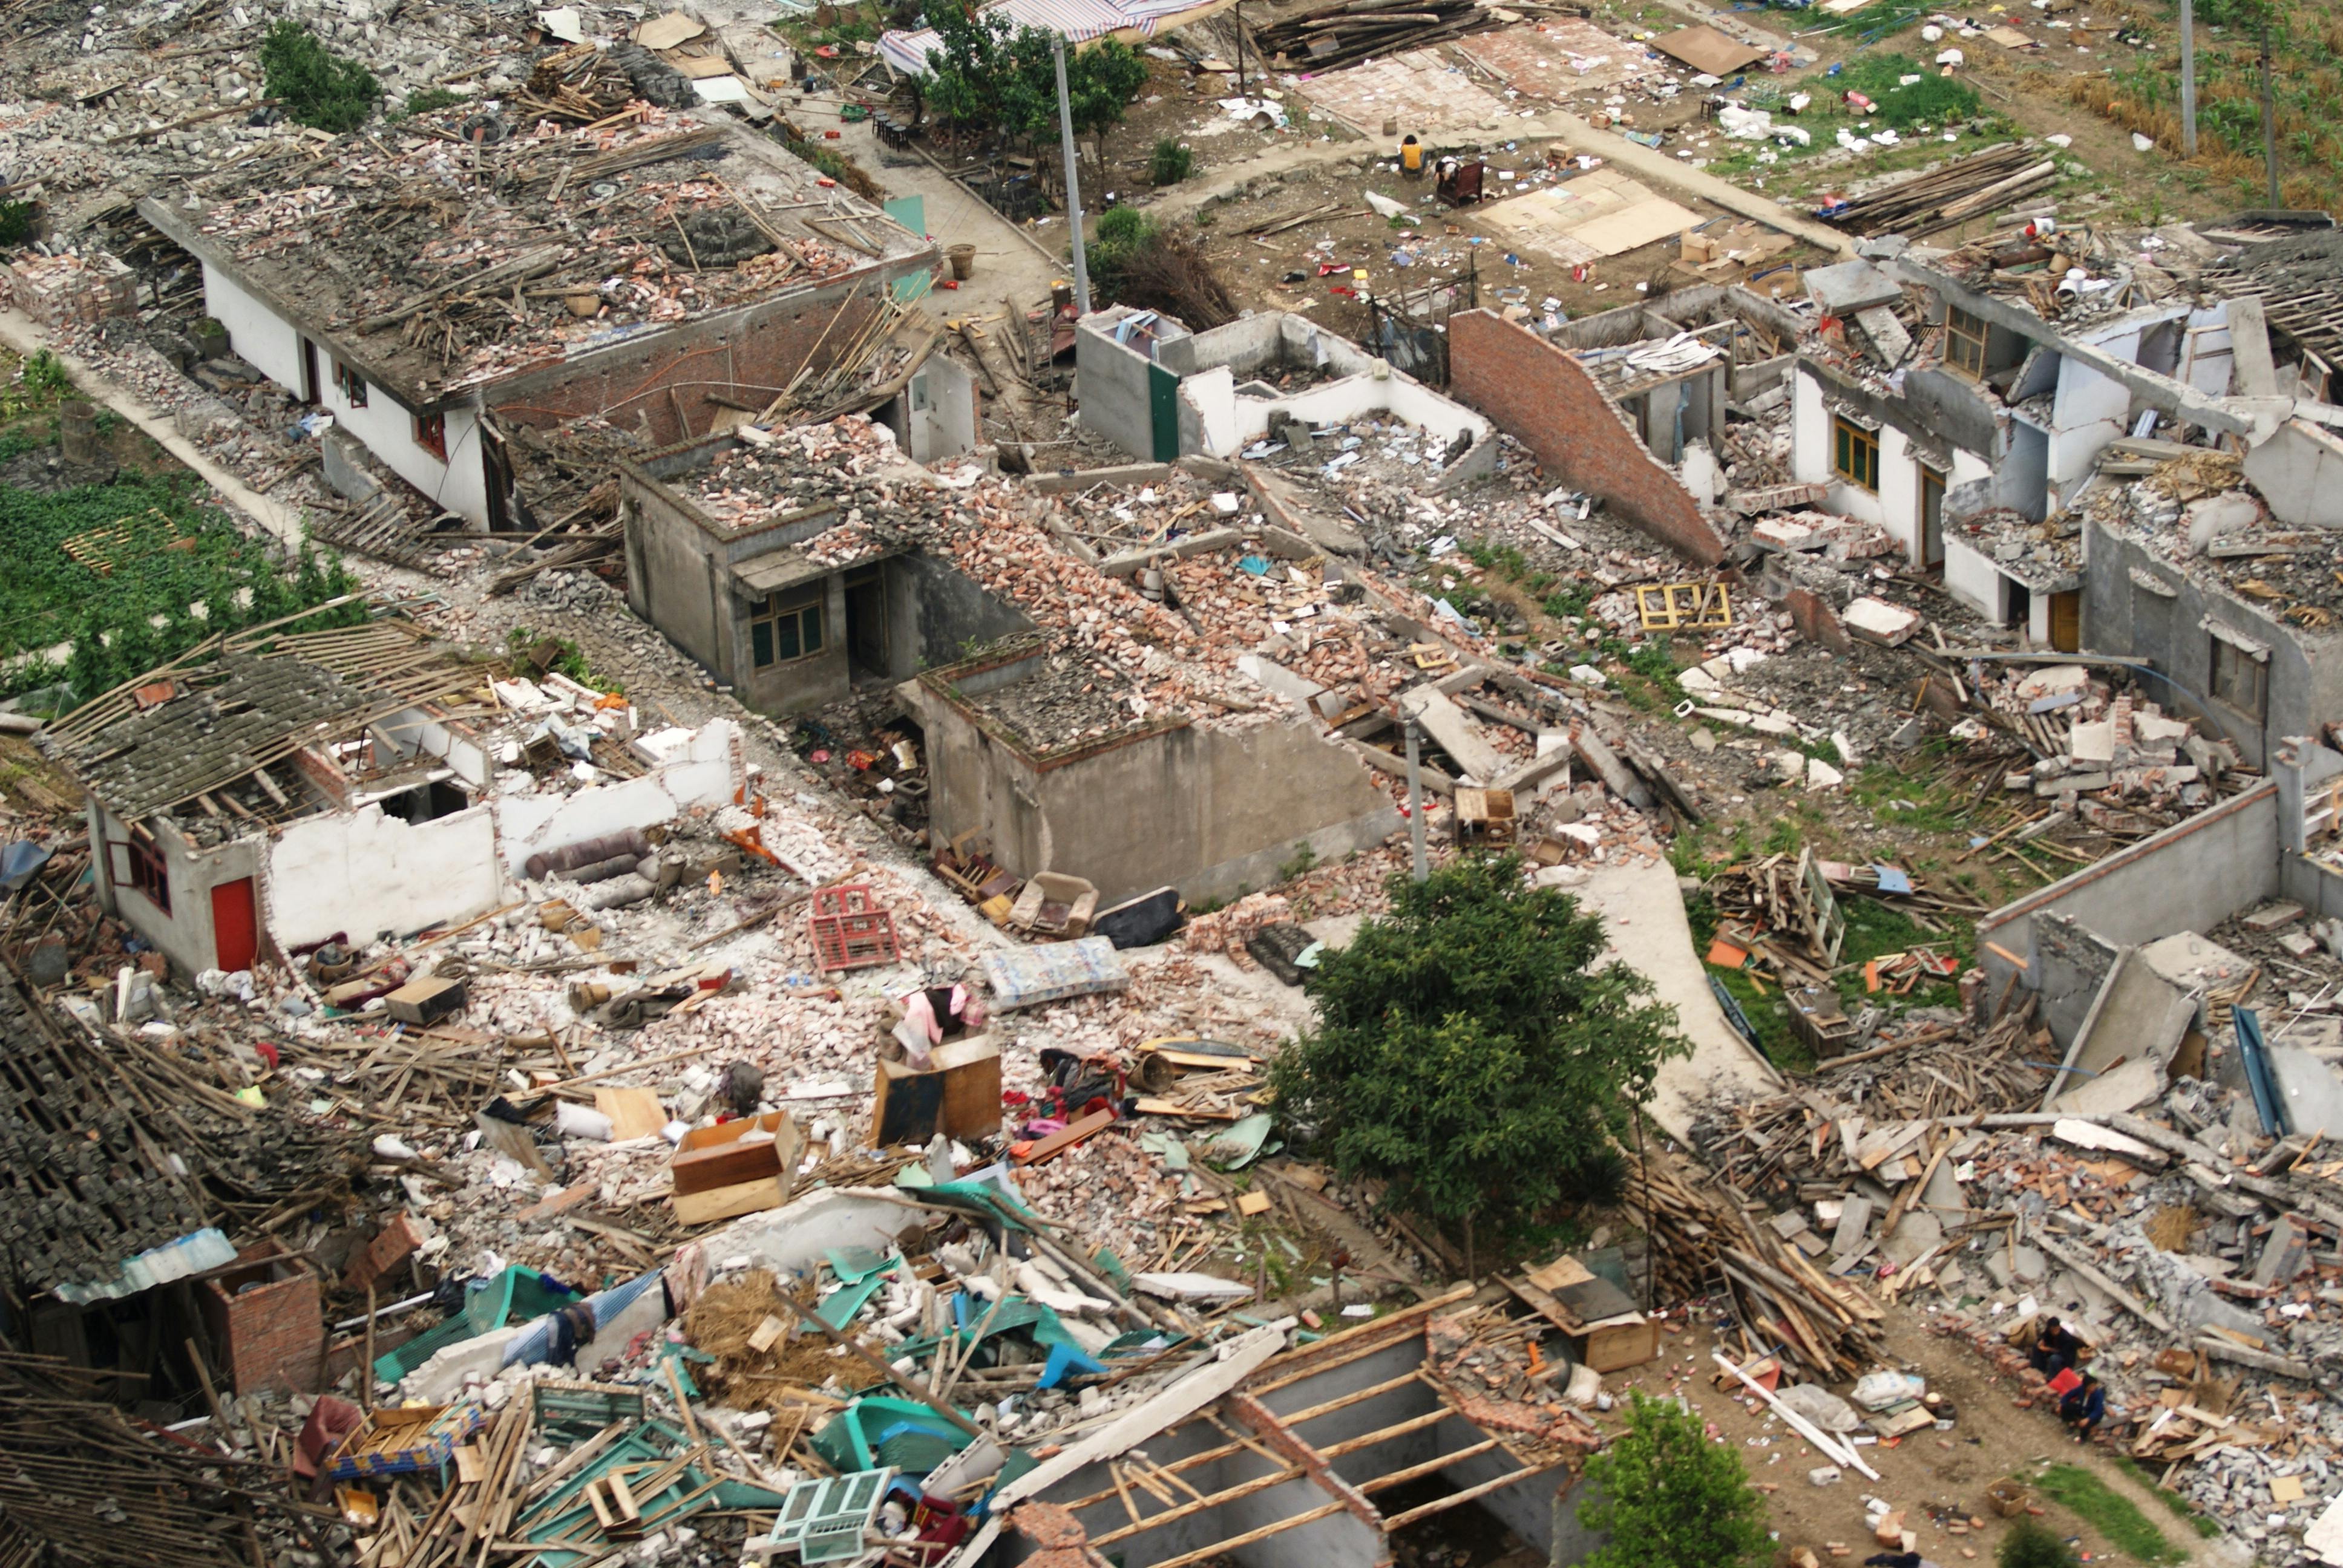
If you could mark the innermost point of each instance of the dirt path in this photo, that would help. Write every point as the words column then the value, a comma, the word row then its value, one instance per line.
column 1936, row 1478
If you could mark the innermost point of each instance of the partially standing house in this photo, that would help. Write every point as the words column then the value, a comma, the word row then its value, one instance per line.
column 434, row 291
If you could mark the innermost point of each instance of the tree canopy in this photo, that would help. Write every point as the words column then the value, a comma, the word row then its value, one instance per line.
column 1669, row 1498
column 1474, row 1052
column 991, row 72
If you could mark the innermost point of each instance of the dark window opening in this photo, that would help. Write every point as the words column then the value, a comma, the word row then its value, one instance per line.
column 350, row 384
column 2241, row 682
column 426, row 802
column 866, row 623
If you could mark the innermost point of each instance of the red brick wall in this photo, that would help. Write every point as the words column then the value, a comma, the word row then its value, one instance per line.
column 272, row 1334
column 1542, row 399
column 747, row 355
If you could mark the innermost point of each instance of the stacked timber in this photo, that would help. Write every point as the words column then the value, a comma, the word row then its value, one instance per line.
column 1948, row 193
column 1337, row 36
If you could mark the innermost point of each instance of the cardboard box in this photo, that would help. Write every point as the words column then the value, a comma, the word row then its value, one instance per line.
column 959, row 1095
column 427, row 1000
column 724, row 1155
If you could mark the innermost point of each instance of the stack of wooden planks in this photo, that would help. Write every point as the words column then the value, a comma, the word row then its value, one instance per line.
column 1336, row 36
column 1945, row 195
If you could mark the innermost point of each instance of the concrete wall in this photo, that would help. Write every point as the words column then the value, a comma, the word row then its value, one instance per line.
column 274, row 347
column 1112, row 381
column 935, row 616
column 458, row 484
column 1543, row 398
column 710, row 774
column 183, row 933
column 2191, row 877
column 2317, row 886
column 1209, row 811
column 368, row 873
column 2304, row 671
column 2299, row 472
column 1971, row 578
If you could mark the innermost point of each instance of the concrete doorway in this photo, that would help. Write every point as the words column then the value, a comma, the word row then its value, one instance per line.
column 866, row 625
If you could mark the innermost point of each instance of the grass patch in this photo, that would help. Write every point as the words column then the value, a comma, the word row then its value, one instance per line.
column 2205, row 1526
column 2114, row 1516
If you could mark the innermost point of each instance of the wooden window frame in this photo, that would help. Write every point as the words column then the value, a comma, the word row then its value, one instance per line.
column 1965, row 343
column 350, row 384
column 805, row 619
column 431, row 434
column 2235, row 672
column 1848, row 440
column 139, row 866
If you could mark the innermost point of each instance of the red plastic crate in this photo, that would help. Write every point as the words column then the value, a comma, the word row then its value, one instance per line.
column 851, row 930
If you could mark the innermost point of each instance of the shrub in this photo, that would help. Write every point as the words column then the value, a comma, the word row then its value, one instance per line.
column 328, row 91
column 430, row 100
column 1669, row 1498
column 2030, row 1543
column 1170, row 163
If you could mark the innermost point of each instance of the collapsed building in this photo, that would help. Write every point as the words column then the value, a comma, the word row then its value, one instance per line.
column 261, row 802
column 661, row 277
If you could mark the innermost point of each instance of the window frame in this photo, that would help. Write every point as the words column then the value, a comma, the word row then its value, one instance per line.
column 2228, row 662
column 350, row 384
column 1847, row 437
column 1969, row 332
column 431, row 434
column 767, row 615
column 135, row 864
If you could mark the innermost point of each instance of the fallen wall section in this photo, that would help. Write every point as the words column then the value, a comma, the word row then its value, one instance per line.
column 1544, row 398
column 366, row 872
column 708, row 772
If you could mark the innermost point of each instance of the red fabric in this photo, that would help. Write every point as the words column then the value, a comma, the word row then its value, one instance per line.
column 2065, row 1381
column 330, row 1421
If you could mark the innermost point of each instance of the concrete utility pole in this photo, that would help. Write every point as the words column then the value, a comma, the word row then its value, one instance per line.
column 2188, row 78
column 1415, row 804
column 1073, row 184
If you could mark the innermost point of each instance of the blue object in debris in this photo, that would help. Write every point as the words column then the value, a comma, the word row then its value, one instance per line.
column 1256, row 564
column 1892, row 880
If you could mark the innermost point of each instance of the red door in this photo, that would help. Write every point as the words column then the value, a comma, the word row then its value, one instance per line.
column 235, row 930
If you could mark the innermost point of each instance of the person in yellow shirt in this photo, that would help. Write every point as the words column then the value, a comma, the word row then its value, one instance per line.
column 1411, row 158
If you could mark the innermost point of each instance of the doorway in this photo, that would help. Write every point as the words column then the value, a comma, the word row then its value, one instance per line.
column 236, row 930
column 1932, row 518
column 2018, row 606
column 2066, row 621
column 865, row 624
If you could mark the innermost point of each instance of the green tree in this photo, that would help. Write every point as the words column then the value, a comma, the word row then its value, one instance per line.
column 2031, row 1544
column 1474, row 1052
column 990, row 74
column 331, row 92
column 1669, row 1498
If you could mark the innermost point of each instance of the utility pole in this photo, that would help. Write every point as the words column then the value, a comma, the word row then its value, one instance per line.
column 2188, row 78
column 1415, row 805
column 1240, row 16
column 2269, row 113
column 1073, row 182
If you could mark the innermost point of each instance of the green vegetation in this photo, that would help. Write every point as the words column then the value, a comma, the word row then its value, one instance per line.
column 1933, row 101
column 2180, row 1506
column 1669, row 1498
column 2110, row 1513
column 2030, row 1543
column 991, row 74
column 331, row 92
column 1475, row 1051
column 430, row 100
column 520, row 647
column 1170, row 163
column 2306, row 40
column 1305, row 856
column 15, row 222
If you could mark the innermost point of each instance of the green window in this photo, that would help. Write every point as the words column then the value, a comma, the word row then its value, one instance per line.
column 778, row 633
column 1854, row 453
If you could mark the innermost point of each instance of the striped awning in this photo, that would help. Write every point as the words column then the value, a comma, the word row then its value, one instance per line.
column 1076, row 21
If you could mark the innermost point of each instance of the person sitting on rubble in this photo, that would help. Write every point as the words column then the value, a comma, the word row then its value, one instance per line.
column 2054, row 1349
column 1411, row 158
column 2084, row 1406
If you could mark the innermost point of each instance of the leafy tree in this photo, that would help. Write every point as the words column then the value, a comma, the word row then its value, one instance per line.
column 2031, row 1544
column 331, row 92
column 1669, row 1498
column 990, row 73
column 1471, row 1052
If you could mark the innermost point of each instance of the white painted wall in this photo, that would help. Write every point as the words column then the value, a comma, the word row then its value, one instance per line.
column 1971, row 578
column 1810, row 456
column 1212, row 394
column 1355, row 398
column 418, row 732
column 2299, row 472
column 365, row 872
column 2088, row 411
column 257, row 333
column 708, row 775
column 459, row 484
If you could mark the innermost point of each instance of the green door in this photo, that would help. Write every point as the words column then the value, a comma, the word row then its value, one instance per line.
column 1163, row 412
